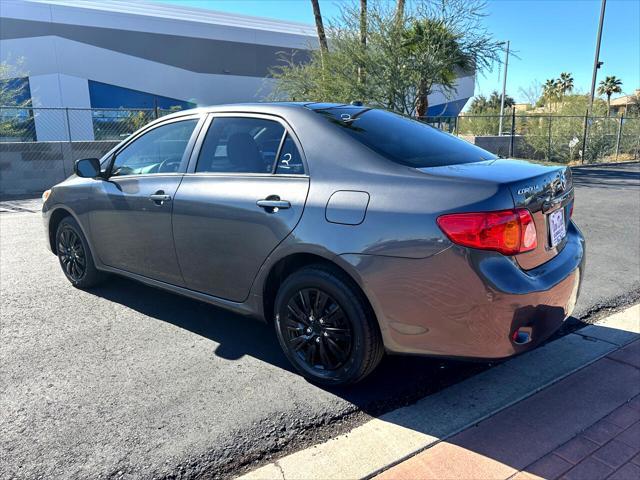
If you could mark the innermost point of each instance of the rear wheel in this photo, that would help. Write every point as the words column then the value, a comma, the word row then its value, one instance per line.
column 74, row 255
column 326, row 328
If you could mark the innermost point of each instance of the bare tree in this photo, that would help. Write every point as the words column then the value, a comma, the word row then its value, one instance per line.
column 532, row 93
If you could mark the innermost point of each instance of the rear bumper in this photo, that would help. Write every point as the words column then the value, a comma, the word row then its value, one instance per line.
column 468, row 303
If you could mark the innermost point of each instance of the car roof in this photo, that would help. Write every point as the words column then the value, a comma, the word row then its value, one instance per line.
column 262, row 107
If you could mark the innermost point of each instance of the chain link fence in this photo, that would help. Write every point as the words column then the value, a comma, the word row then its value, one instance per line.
column 72, row 124
column 38, row 146
column 552, row 138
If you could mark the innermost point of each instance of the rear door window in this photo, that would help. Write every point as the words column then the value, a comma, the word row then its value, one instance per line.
column 289, row 160
column 403, row 140
column 240, row 145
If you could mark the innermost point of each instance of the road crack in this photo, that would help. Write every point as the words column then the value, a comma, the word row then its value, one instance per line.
column 277, row 464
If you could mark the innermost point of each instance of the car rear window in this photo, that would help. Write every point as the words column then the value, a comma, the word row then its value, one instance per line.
column 403, row 140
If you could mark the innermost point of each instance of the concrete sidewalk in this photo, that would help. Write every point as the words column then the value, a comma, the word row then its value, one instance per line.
column 570, row 407
column 596, row 408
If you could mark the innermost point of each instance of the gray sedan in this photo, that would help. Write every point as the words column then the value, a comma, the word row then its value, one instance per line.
column 355, row 231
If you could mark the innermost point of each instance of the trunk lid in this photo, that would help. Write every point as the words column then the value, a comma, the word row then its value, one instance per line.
column 541, row 189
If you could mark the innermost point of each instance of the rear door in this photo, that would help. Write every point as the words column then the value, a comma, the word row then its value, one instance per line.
column 130, row 216
column 244, row 192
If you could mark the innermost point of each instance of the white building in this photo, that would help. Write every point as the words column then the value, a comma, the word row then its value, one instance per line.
column 112, row 53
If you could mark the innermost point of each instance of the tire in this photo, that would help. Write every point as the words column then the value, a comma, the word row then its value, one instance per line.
column 75, row 256
column 338, row 345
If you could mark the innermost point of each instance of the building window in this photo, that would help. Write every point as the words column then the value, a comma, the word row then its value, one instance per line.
column 103, row 95
column 15, row 92
column 16, row 115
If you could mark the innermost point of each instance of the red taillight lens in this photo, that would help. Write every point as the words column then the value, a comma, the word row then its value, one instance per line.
column 506, row 231
column 571, row 209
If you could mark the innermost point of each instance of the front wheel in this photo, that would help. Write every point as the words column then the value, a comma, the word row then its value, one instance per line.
column 74, row 255
column 326, row 328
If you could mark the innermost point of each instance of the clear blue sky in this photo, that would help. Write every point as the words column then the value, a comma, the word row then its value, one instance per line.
column 549, row 36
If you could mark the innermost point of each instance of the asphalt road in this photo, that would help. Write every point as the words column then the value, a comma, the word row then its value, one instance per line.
column 129, row 381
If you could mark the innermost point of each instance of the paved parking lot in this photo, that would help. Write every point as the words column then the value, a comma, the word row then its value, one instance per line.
column 129, row 381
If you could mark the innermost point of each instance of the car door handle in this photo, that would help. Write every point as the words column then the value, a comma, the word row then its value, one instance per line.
column 273, row 204
column 160, row 198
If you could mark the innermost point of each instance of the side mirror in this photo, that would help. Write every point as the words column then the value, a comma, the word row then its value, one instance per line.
column 87, row 168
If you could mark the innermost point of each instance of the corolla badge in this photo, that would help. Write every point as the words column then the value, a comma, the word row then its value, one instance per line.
column 529, row 189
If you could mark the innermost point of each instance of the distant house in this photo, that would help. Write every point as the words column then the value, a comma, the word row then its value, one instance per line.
column 621, row 105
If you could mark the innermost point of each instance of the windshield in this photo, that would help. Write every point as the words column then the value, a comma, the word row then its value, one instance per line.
column 401, row 139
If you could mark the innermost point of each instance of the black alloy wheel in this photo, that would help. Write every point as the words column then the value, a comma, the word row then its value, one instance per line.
column 71, row 252
column 326, row 327
column 75, row 255
column 318, row 330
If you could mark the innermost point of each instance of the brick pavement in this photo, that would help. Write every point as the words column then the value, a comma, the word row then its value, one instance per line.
column 585, row 427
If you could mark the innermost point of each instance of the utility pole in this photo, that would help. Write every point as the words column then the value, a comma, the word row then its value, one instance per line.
column 504, row 87
column 596, row 62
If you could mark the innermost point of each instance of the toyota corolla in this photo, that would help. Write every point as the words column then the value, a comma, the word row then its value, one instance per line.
column 355, row 231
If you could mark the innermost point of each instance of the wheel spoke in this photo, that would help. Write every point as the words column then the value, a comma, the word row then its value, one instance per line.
column 320, row 303
column 298, row 342
column 295, row 310
column 323, row 355
column 335, row 350
column 308, row 354
column 342, row 334
column 293, row 325
column 335, row 313
column 306, row 302
column 68, row 266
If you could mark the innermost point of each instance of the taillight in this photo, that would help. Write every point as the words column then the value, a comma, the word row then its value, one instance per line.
column 506, row 231
column 571, row 209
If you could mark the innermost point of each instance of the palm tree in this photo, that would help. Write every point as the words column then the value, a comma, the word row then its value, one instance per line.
column 550, row 90
column 565, row 84
column 363, row 37
column 436, row 48
column 608, row 87
column 400, row 11
column 495, row 99
column 479, row 105
column 322, row 37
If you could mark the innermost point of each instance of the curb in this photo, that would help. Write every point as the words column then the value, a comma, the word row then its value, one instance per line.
column 606, row 164
column 400, row 434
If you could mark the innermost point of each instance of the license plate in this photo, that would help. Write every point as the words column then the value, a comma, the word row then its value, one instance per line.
column 557, row 227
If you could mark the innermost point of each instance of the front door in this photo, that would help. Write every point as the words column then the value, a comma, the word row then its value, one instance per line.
column 130, row 217
column 243, row 197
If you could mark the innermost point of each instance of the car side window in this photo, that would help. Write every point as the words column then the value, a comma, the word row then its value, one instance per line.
column 240, row 145
column 289, row 160
column 157, row 151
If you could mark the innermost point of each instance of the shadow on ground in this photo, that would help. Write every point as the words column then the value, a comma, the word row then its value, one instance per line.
column 398, row 381
column 607, row 176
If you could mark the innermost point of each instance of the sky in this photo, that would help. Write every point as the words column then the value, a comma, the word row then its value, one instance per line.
column 548, row 37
